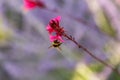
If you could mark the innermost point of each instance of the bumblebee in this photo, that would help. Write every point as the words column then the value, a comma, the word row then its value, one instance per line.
column 56, row 44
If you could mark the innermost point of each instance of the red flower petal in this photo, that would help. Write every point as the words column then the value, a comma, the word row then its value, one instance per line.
column 29, row 4
column 54, row 23
column 53, row 38
column 57, row 18
column 49, row 29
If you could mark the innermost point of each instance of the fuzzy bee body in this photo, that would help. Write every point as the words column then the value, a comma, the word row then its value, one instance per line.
column 56, row 44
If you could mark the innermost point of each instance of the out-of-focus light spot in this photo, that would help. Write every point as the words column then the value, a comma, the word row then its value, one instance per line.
column 82, row 72
column 5, row 34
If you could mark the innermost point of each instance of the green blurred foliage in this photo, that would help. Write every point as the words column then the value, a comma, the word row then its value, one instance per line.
column 105, row 25
column 61, row 74
column 14, row 17
column 5, row 34
column 96, row 67
column 114, row 75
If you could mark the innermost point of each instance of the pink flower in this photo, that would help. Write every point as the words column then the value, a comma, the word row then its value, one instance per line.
column 52, row 24
column 56, row 29
column 30, row 4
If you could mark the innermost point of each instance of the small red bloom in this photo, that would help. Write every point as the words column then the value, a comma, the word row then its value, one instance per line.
column 29, row 4
column 54, row 27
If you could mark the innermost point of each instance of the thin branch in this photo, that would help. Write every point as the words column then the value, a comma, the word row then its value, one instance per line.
column 91, row 54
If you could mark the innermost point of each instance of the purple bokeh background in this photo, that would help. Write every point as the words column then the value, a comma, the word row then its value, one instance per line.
column 24, row 41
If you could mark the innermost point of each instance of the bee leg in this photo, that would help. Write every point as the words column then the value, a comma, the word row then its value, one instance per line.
column 50, row 46
column 59, row 48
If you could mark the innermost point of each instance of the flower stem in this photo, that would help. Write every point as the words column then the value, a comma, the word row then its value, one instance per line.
column 91, row 54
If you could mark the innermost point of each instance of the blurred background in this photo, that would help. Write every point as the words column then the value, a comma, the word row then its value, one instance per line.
column 24, row 41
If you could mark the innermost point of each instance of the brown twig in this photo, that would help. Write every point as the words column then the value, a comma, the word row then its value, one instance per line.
column 91, row 54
